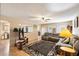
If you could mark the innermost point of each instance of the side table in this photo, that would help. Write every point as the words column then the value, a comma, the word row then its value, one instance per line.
column 67, row 50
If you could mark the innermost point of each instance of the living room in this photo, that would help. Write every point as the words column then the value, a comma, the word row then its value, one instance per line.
column 27, row 26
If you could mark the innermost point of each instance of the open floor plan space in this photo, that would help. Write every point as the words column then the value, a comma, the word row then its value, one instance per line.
column 39, row 29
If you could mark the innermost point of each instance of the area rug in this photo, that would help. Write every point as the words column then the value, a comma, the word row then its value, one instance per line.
column 41, row 48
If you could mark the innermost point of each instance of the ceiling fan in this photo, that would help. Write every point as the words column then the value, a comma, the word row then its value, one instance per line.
column 43, row 18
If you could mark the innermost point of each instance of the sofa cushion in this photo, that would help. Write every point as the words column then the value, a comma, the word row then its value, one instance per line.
column 72, row 41
column 76, row 45
column 60, row 43
column 66, row 41
column 50, row 37
column 53, row 39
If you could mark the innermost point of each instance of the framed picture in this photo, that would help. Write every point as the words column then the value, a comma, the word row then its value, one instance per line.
column 76, row 22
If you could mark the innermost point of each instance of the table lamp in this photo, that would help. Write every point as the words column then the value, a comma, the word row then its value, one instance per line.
column 65, row 33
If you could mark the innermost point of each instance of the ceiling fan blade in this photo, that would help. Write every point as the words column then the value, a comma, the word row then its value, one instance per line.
column 48, row 19
column 33, row 17
column 39, row 18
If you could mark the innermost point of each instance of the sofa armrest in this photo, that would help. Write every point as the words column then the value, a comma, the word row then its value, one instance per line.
column 62, row 44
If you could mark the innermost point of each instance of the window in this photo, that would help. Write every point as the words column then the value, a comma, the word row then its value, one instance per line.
column 28, row 29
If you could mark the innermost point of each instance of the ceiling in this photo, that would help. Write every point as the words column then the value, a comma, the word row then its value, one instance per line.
column 27, row 11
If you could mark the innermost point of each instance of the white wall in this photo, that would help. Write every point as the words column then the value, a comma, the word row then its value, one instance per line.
column 32, row 37
column 49, row 27
column 60, row 26
column 76, row 31
column 4, row 43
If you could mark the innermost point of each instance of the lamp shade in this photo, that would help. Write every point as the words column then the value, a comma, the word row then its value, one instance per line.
column 65, row 33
